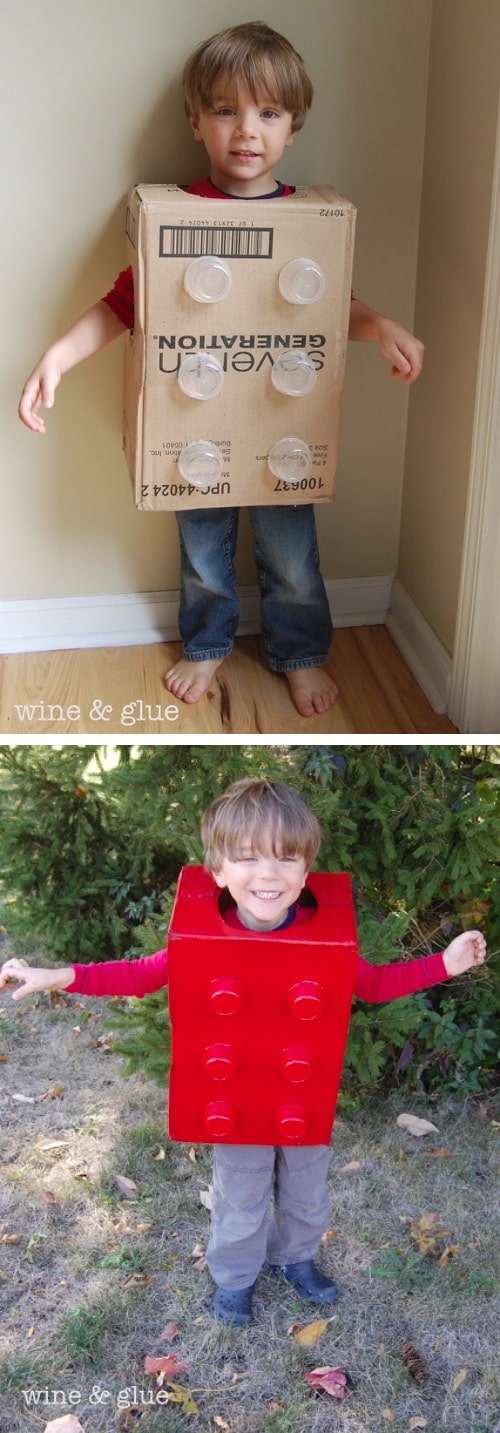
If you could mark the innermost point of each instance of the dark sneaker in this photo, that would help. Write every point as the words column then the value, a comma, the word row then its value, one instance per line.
column 307, row 1280
column 233, row 1306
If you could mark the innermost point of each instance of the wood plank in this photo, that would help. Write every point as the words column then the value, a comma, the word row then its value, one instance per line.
column 102, row 692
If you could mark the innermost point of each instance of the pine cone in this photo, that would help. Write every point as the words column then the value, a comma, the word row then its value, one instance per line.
column 414, row 1362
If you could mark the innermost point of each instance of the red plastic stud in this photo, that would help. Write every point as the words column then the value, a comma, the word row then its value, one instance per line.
column 226, row 995
column 296, row 1063
column 218, row 1119
column 219, row 1061
column 306, row 999
column 292, row 1123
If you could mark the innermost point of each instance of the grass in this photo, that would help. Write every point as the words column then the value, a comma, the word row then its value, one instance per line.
column 92, row 1278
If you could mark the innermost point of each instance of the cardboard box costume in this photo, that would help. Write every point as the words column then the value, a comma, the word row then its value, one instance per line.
column 235, row 369
column 259, row 1020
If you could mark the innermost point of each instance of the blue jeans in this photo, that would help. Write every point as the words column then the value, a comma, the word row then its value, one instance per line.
column 295, row 616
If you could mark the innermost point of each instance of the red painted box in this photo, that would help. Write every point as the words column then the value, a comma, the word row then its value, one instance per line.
column 259, row 1020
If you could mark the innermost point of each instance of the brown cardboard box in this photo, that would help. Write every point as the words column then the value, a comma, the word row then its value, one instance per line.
column 246, row 331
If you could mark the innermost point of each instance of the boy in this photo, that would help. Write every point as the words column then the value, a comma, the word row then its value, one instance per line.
column 260, row 839
column 246, row 96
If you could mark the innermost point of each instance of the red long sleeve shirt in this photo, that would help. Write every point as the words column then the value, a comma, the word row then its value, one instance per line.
column 374, row 983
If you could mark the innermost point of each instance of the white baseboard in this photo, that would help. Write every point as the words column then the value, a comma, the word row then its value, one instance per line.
column 135, row 619
column 425, row 655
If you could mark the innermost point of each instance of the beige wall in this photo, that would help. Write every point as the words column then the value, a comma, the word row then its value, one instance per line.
column 456, row 204
column 91, row 104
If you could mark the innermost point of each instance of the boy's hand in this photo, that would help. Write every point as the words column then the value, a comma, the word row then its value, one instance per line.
column 39, row 389
column 404, row 352
column 33, row 979
column 464, row 952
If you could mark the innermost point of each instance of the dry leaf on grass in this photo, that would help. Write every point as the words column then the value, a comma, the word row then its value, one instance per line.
column 429, row 1239
column 128, row 1188
column 166, row 1365
column 417, row 1423
column 68, row 1424
column 416, row 1126
column 331, row 1380
column 388, row 1414
column 178, row 1394
column 206, row 1197
column 170, row 1332
column 459, row 1379
column 308, row 1334
column 352, row 1168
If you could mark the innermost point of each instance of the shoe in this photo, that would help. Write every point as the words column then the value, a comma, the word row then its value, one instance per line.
column 233, row 1306
column 307, row 1280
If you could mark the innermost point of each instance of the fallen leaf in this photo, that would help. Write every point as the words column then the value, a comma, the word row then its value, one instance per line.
column 331, row 1380
column 167, row 1364
column 53, row 1093
column 68, row 1424
column 388, row 1414
column 352, row 1168
column 170, row 1332
column 206, row 1197
column 221, row 1423
column 138, row 1281
column 178, row 1394
column 127, row 1187
column 25, row 1099
column 416, row 1126
column 417, row 1423
column 459, row 1379
column 161, row 1154
column 308, row 1334
column 50, row 1144
column 447, row 1254
column 436, row 1154
column 194, row 1153
column 425, row 1234
column 10, row 1239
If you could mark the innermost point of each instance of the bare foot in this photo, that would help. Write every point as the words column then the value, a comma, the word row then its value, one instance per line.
column 312, row 690
column 190, row 680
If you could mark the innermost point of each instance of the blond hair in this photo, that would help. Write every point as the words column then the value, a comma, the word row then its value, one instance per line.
column 259, row 816
column 254, row 53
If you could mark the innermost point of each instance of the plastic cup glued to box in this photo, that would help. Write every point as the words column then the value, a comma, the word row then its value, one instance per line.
column 201, row 376
column 208, row 279
column 200, row 463
column 302, row 281
column 290, row 459
column 294, row 374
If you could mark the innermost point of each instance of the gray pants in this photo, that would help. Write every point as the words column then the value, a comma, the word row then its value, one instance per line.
column 249, row 1225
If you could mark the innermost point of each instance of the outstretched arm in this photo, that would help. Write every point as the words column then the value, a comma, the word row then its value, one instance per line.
column 96, row 328
column 34, row 978
column 404, row 352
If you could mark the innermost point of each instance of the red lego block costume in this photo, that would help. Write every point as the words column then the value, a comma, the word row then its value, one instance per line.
column 259, row 1020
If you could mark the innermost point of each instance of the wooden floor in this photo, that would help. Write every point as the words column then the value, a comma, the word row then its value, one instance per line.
column 102, row 692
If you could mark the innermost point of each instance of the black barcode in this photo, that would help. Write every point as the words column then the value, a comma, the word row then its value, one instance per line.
column 184, row 242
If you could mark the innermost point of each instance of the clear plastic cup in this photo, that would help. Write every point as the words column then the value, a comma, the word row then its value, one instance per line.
column 302, row 281
column 208, row 279
column 291, row 459
column 294, row 374
column 201, row 463
column 201, row 376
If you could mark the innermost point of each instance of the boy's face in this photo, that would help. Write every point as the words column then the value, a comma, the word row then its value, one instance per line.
column 244, row 140
column 263, row 886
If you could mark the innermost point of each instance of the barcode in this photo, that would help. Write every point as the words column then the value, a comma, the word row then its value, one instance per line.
column 185, row 242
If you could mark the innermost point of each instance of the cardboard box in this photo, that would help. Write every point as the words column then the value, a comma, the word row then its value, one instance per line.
column 233, row 344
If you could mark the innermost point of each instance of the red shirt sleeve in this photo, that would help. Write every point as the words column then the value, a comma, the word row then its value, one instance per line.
column 121, row 977
column 376, row 983
column 121, row 297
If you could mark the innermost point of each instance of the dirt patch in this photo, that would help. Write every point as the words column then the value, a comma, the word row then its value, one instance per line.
column 89, row 1279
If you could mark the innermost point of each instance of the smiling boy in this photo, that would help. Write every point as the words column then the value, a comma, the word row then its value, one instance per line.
column 260, row 840
column 246, row 96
